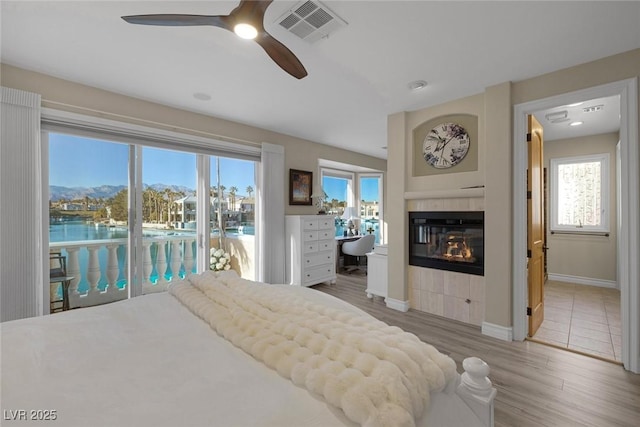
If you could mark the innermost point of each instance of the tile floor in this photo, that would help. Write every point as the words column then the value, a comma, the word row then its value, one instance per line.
column 582, row 318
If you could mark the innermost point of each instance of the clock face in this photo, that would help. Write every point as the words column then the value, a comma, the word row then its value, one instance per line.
column 445, row 145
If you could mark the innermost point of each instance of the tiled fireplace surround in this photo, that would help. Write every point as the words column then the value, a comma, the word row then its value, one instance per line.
column 453, row 295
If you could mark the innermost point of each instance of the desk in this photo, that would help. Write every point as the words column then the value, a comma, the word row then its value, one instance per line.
column 339, row 241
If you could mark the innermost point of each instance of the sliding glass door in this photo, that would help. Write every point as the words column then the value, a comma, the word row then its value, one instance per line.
column 132, row 218
column 232, row 222
column 169, row 217
column 88, row 216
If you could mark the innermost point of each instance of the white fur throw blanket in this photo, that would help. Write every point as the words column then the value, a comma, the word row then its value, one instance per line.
column 377, row 374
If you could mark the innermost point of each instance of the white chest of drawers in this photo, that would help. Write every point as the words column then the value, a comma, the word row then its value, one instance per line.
column 311, row 249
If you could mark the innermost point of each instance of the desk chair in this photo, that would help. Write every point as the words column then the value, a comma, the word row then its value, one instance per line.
column 58, row 277
column 359, row 248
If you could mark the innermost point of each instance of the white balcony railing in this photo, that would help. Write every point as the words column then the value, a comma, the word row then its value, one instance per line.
column 178, row 249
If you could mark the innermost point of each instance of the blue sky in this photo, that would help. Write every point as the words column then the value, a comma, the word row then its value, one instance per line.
column 85, row 162
column 336, row 188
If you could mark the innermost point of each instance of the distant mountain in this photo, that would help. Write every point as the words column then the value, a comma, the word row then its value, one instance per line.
column 57, row 192
column 162, row 187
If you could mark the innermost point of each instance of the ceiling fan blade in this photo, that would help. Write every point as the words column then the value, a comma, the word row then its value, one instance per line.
column 177, row 20
column 281, row 55
column 248, row 11
column 251, row 10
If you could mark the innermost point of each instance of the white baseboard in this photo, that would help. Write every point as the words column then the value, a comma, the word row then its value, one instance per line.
column 396, row 304
column 583, row 280
column 503, row 333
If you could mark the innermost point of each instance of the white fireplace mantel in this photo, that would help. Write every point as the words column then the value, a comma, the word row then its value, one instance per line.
column 445, row 194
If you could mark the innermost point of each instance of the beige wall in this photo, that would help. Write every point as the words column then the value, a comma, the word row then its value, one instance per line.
column 494, row 109
column 592, row 257
column 69, row 96
column 473, row 106
column 299, row 153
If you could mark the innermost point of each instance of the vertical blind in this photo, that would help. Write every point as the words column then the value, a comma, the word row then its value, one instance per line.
column 21, row 229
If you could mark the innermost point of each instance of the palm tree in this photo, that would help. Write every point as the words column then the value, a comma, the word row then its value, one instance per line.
column 157, row 200
column 169, row 195
column 119, row 206
column 249, row 190
column 334, row 204
column 232, row 193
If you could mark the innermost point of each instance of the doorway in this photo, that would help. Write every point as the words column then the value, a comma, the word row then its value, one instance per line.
column 582, row 299
column 628, row 211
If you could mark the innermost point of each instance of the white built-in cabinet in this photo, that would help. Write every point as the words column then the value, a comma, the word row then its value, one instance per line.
column 310, row 249
column 377, row 273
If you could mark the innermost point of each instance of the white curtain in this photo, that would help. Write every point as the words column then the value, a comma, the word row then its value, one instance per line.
column 270, row 198
column 21, row 235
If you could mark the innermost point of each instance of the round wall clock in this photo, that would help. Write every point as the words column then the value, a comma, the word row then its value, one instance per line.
column 445, row 145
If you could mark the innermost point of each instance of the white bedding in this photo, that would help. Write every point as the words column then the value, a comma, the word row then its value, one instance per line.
column 148, row 361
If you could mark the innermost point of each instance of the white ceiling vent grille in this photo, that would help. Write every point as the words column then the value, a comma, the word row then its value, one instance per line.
column 311, row 21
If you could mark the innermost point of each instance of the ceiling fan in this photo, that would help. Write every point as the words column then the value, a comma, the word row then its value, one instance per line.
column 246, row 21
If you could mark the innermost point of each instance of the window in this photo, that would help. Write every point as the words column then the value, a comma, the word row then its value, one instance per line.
column 338, row 185
column 370, row 190
column 128, row 213
column 360, row 190
column 580, row 193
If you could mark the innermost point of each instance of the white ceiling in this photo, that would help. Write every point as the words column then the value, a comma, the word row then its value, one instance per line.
column 601, row 115
column 357, row 76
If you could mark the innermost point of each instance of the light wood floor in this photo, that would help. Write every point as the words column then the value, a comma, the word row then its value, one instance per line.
column 537, row 385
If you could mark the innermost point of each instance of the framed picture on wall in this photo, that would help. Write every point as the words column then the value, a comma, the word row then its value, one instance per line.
column 300, row 187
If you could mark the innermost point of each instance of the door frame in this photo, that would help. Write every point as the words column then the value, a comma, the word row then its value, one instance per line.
column 628, row 209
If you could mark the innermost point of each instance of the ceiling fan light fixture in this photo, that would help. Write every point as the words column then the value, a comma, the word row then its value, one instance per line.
column 246, row 21
column 245, row 31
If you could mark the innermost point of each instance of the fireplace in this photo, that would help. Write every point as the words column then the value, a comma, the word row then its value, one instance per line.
column 451, row 241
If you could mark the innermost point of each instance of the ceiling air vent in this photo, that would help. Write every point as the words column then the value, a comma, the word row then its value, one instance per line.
column 311, row 21
column 558, row 117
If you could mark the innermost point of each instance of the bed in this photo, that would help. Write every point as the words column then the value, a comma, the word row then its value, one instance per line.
column 218, row 350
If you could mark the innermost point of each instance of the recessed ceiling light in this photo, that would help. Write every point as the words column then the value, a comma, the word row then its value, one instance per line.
column 202, row 96
column 575, row 104
column 417, row 85
column 575, row 123
column 245, row 31
column 593, row 108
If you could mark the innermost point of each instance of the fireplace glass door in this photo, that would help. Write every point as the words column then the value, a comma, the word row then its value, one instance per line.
column 447, row 240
